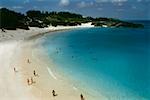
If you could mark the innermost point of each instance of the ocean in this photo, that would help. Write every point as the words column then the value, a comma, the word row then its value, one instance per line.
column 113, row 62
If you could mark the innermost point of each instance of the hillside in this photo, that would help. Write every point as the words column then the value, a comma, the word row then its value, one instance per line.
column 11, row 20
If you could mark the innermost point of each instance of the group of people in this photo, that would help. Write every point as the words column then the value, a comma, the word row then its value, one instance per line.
column 30, row 81
column 54, row 94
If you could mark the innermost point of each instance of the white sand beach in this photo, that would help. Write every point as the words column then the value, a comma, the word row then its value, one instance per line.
column 16, row 51
column 21, row 34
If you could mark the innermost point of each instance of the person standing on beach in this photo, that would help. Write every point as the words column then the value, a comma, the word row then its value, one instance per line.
column 28, row 81
column 81, row 96
column 35, row 73
column 32, row 80
column 2, row 29
column 54, row 94
column 15, row 70
column 28, row 61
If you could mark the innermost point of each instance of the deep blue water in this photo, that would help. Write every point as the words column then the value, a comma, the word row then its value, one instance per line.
column 114, row 62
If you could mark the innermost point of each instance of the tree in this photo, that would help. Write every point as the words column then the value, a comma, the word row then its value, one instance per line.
column 11, row 20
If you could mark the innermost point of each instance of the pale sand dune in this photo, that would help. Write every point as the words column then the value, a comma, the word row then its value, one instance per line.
column 15, row 53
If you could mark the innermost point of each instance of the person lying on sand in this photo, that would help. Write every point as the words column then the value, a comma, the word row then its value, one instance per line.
column 82, row 98
column 54, row 94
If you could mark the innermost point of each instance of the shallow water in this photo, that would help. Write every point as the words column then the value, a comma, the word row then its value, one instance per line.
column 113, row 62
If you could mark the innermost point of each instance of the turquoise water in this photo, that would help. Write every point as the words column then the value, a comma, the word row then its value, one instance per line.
column 114, row 62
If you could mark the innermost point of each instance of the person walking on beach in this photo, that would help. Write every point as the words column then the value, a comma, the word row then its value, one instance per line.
column 35, row 73
column 54, row 94
column 15, row 70
column 81, row 96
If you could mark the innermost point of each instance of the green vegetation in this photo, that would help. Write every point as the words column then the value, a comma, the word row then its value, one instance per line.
column 55, row 18
column 12, row 20
column 110, row 22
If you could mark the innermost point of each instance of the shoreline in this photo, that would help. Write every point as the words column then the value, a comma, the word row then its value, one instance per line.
column 13, row 83
column 15, row 54
column 46, row 81
column 21, row 34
